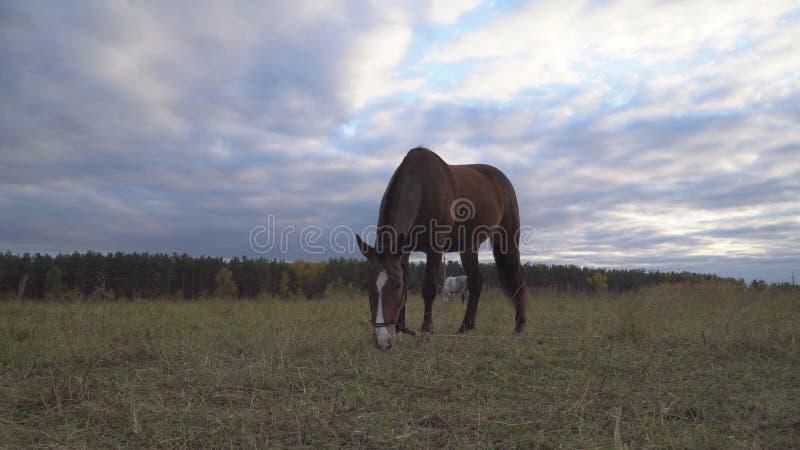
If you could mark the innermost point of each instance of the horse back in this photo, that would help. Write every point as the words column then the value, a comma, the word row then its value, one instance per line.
column 487, row 188
column 424, row 189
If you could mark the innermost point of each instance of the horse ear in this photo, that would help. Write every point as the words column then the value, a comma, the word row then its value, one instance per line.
column 366, row 250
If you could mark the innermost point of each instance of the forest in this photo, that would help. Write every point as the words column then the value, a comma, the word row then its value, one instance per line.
column 127, row 276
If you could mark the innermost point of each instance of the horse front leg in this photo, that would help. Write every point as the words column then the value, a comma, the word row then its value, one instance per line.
column 432, row 265
column 401, row 316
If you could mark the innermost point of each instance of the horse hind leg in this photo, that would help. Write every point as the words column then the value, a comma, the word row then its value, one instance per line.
column 509, row 268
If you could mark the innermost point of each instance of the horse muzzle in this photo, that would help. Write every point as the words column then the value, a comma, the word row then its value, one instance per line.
column 384, row 339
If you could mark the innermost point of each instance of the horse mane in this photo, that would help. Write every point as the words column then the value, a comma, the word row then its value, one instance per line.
column 388, row 197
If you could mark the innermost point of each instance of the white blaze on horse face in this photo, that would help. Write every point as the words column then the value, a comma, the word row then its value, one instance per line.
column 381, row 333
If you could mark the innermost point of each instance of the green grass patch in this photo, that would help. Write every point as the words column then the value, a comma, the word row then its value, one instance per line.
column 671, row 366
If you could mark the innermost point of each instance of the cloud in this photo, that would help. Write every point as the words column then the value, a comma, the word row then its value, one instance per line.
column 448, row 11
column 583, row 42
column 637, row 134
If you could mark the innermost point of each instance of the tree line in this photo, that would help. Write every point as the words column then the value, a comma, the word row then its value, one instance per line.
column 180, row 276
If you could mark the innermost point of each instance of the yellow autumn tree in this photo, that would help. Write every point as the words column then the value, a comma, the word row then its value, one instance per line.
column 225, row 287
column 598, row 281
column 283, row 286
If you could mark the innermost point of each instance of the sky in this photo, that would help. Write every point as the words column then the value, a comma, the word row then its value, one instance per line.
column 641, row 134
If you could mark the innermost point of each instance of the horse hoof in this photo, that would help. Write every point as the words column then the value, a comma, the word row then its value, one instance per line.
column 409, row 331
column 426, row 335
column 518, row 334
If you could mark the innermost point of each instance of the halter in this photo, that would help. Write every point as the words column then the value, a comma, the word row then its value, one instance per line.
column 400, row 327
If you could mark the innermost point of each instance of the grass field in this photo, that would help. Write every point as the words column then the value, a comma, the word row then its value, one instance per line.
column 672, row 366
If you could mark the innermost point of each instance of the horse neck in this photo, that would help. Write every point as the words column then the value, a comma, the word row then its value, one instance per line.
column 400, row 203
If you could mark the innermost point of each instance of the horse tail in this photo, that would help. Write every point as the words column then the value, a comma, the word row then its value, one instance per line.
column 507, row 260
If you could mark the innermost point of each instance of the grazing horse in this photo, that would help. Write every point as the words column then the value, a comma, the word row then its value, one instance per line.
column 453, row 287
column 433, row 207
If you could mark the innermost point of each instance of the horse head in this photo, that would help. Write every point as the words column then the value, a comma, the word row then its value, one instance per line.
column 385, row 286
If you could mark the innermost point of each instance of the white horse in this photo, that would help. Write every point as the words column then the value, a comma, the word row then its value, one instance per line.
column 454, row 286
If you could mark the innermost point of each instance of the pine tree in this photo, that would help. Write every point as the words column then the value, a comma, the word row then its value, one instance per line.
column 53, row 281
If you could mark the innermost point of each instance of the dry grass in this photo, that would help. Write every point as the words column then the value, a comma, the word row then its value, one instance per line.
column 674, row 366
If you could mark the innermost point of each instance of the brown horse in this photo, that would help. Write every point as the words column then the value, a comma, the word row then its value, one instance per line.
column 433, row 207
